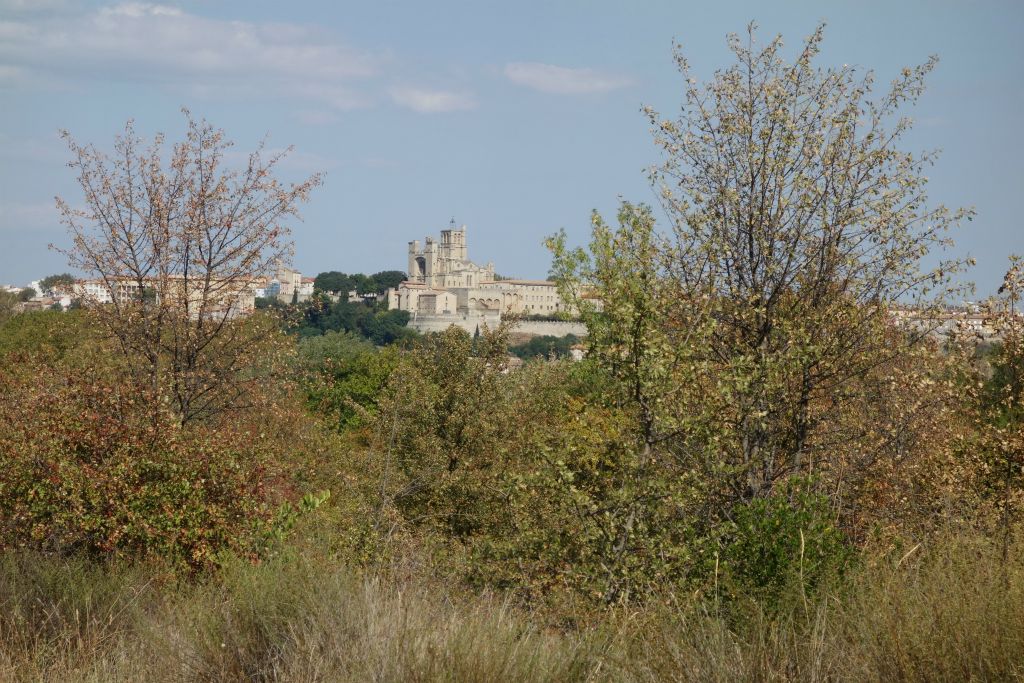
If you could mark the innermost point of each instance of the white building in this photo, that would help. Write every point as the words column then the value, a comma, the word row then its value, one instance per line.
column 291, row 284
column 445, row 287
column 446, row 264
column 216, row 301
column 96, row 291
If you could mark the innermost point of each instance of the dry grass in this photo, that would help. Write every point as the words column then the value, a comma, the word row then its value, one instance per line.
column 948, row 613
column 289, row 621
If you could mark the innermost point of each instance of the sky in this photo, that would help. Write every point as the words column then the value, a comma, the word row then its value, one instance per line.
column 514, row 118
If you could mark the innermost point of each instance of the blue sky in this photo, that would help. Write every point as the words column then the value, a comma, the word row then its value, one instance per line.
column 515, row 118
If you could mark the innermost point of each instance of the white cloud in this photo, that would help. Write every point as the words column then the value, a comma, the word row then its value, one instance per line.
column 158, row 44
column 32, row 5
column 428, row 101
column 141, row 9
column 561, row 80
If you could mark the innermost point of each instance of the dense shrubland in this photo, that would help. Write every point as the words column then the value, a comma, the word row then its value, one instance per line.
column 94, row 465
column 755, row 473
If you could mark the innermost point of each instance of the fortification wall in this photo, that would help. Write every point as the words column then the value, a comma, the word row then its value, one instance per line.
column 553, row 328
column 470, row 322
column 473, row 321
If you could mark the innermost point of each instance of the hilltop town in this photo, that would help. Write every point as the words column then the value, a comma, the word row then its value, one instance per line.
column 441, row 287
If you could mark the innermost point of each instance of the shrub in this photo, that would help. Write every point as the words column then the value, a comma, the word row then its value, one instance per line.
column 343, row 375
column 545, row 346
column 786, row 541
column 87, row 466
column 49, row 333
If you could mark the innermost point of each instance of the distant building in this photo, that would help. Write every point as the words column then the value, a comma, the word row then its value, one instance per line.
column 446, row 264
column 970, row 319
column 417, row 297
column 292, row 286
column 37, row 304
column 445, row 287
column 105, row 291
column 222, row 300
column 306, row 288
column 93, row 291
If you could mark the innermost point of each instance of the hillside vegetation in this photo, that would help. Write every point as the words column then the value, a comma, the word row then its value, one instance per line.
column 757, row 472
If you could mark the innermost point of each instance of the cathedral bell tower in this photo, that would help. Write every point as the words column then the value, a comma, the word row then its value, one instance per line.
column 453, row 243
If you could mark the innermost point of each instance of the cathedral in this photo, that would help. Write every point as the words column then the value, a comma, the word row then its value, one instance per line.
column 445, row 287
column 446, row 263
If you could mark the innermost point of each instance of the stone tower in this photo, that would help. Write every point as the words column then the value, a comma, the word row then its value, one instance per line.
column 453, row 243
column 446, row 263
column 417, row 263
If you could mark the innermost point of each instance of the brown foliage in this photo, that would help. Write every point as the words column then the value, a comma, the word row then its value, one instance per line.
column 91, row 464
column 175, row 246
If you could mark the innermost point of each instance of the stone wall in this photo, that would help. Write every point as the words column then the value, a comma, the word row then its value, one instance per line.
column 473, row 321
column 553, row 328
column 441, row 322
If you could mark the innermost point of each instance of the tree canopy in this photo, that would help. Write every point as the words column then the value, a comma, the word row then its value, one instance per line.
column 61, row 281
column 175, row 237
column 747, row 333
column 336, row 282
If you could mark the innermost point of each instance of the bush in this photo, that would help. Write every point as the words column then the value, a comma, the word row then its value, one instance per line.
column 782, row 542
column 545, row 346
column 343, row 375
column 50, row 334
column 319, row 316
column 86, row 466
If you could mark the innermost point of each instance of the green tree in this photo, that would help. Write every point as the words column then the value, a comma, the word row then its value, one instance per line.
column 545, row 346
column 388, row 279
column 333, row 282
column 741, row 336
column 47, row 334
column 798, row 221
column 269, row 302
column 27, row 294
column 344, row 375
column 62, row 283
column 656, row 374
column 363, row 284
column 442, row 431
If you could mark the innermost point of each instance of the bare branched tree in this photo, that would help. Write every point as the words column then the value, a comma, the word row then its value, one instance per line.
column 173, row 248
